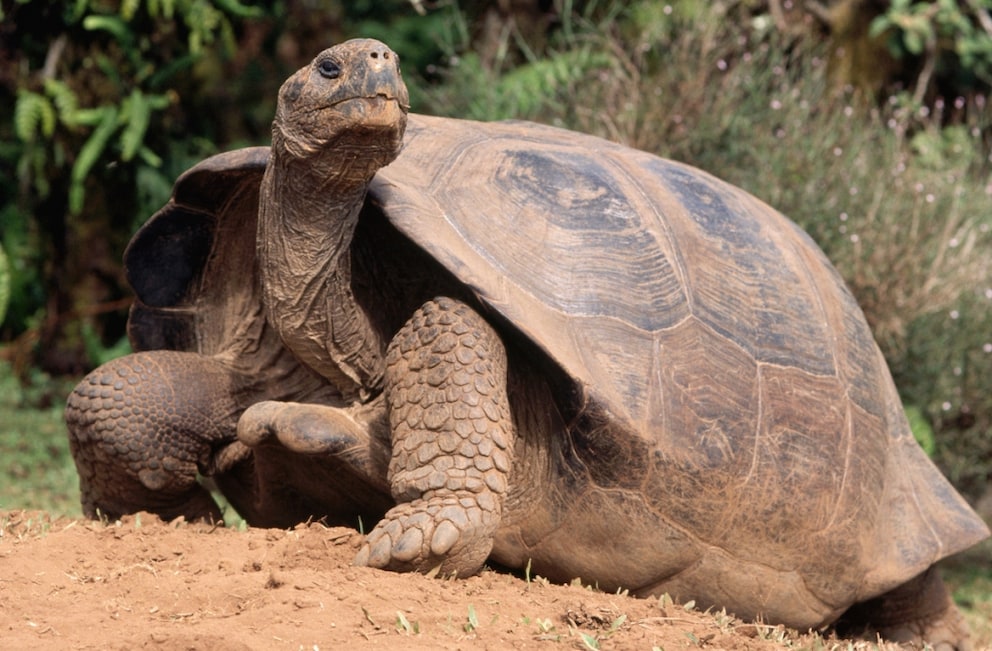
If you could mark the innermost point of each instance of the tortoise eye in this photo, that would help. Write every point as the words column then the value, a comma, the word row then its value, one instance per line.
column 329, row 69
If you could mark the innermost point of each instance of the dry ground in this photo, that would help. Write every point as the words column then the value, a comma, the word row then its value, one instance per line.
column 144, row 584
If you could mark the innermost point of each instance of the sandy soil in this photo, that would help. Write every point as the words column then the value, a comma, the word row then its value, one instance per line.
column 144, row 584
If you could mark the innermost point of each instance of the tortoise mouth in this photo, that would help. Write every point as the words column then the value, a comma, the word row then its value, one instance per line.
column 379, row 109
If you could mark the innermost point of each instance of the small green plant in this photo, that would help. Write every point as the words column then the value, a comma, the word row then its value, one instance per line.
column 589, row 641
column 616, row 624
column 473, row 620
column 546, row 630
column 19, row 527
column 403, row 625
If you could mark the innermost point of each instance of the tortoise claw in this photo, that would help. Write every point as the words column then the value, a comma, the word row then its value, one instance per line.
column 452, row 534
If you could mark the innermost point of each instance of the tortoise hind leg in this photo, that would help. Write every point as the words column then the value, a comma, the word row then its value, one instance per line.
column 917, row 612
column 452, row 443
column 143, row 425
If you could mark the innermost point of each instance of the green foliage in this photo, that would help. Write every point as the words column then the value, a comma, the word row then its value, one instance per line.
column 36, row 468
column 33, row 113
column 939, row 30
column 523, row 92
column 25, row 289
column 99, row 352
column 921, row 428
column 105, row 109
column 543, row 86
column 119, row 127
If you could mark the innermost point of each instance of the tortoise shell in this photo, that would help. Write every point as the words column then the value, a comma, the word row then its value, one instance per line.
column 726, row 376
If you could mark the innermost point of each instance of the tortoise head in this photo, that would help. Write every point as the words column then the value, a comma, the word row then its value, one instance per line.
column 346, row 109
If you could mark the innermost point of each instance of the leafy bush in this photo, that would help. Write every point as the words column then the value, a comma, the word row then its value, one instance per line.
column 104, row 103
column 94, row 138
column 949, row 37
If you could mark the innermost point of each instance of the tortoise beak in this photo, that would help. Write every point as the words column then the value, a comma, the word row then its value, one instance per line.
column 375, row 73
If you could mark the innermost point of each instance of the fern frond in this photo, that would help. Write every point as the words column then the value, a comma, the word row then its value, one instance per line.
column 137, row 114
column 48, row 117
column 89, row 153
column 229, row 42
column 235, row 8
column 128, row 9
column 111, row 24
column 203, row 19
column 79, row 8
column 529, row 87
column 89, row 117
column 65, row 100
column 26, row 116
column 150, row 158
column 29, row 112
column 158, row 102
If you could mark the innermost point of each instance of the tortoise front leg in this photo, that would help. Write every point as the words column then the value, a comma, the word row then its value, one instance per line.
column 317, row 461
column 143, row 425
column 452, row 443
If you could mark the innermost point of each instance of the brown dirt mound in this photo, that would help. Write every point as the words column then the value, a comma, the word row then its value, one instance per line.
column 144, row 584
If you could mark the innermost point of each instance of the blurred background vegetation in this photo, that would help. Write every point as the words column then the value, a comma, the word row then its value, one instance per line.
column 866, row 121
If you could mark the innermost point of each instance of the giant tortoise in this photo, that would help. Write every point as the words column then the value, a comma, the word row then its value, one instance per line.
column 517, row 343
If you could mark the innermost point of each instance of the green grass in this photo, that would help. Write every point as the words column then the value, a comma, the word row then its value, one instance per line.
column 36, row 468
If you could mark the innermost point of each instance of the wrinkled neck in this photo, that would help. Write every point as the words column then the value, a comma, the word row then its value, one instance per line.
column 308, row 212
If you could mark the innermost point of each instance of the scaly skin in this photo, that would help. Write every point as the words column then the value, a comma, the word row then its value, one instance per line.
column 452, row 440
column 445, row 429
column 142, row 426
column 917, row 613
